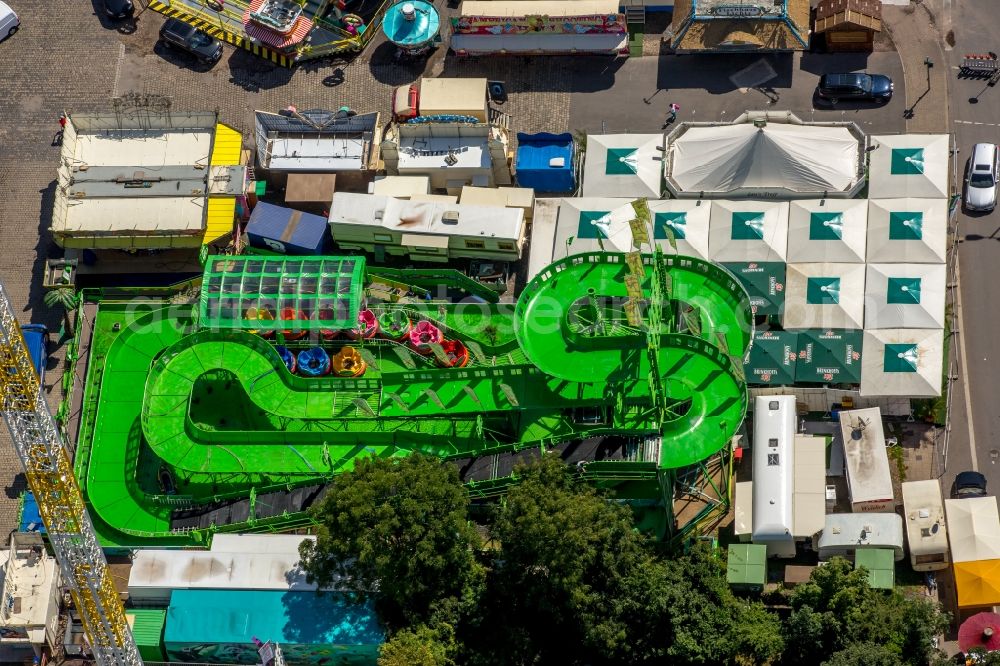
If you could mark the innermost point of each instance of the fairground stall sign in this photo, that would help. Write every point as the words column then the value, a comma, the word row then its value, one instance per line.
column 521, row 25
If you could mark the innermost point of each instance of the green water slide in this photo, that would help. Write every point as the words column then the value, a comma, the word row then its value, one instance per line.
column 220, row 411
column 569, row 326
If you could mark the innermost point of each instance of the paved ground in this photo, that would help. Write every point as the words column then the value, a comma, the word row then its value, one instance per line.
column 75, row 61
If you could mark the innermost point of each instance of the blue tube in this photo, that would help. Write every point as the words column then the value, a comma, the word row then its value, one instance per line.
column 288, row 357
column 314, row 362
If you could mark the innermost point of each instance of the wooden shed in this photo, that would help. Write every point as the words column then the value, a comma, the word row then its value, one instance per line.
column 847, row 25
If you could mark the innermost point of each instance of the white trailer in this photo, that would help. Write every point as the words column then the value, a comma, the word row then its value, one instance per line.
column 869, row 481
column 926, row 528
column 846, row 533
column 773, row 474
column 425, row 230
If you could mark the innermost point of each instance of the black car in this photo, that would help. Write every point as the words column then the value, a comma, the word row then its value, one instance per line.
column 178, row 34
column 869, row 87
column 968, row 484
column 119, row 9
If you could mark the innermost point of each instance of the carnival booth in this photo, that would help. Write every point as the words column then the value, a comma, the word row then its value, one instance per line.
column 530, row 27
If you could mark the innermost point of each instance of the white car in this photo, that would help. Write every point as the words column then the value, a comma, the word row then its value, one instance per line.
column 981, row 178
column 9, row 23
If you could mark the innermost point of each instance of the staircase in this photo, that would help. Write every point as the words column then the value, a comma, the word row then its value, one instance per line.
column 635, row 20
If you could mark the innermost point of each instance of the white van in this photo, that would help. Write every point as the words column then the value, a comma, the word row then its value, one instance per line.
column 9, row 23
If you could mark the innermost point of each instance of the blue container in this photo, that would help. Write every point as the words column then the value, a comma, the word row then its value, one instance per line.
column 286, row 231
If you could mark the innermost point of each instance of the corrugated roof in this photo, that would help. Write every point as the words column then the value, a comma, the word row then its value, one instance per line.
column 227, row 146
column 219, row 218
column 148, row 625
column 317, row 121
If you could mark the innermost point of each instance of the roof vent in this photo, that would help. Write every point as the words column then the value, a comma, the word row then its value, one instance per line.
column 449, row 217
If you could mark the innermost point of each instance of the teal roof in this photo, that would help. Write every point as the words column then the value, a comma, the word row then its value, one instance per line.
column 881, row 566
column 747, row 564
column 300, row 618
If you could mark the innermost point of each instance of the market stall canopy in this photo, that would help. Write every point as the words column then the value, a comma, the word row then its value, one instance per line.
column 825, row 296
column 978, row 583
column 545, row 162
column 772, row 359
column 881, row 566
column 623, row 165
column 747, row 564
column 764, row 282
column 907, row 230
column 748, row 231
column 774, row 156
column 973, row 528
column 908, row 165
column 905, row 296
column 905, row 362
column 829, row 356
column 833, row 230
column 982, row 630
column 588, row 224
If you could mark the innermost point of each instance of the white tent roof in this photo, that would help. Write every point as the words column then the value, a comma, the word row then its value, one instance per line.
column 623, row 165
column 908, row 165
column 827, row 230
column 973, row 528
column 748, row 231
column 907, row 230
column 904, row 362
column 824, row 296
column 801, row 158
column 583, row 219
column 905, row 296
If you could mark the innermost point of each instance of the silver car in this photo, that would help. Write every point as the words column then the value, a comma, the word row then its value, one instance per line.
column 981, row 178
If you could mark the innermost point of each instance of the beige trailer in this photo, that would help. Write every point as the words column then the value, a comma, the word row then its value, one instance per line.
column 926, row 530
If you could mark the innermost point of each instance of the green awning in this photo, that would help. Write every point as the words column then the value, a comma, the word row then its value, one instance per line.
column 747, row 564
column 772, row 358
column 907, row 161
column 748, row 226
column 881, row 566
column 829, row 356
column 764, row 282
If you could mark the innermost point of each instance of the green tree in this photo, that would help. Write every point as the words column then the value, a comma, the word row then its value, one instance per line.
column 397, row 530
column 757, row 636
column 864, row 654
column 422, row 646
column 64, row 298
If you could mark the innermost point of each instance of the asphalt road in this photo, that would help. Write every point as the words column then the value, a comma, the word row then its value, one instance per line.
column 975, row 115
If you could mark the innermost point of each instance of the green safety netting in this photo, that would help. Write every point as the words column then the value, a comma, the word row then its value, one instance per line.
column 772, row 358
column 829, row 356
column 255, row 292
column 764, row 282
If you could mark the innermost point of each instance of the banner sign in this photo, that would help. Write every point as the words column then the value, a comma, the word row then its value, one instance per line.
column 520, row 25
column 737, row 11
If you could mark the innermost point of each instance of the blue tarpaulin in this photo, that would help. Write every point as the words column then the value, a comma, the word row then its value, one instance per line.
column 535, row 156
column 31, row 518
column 286, row 231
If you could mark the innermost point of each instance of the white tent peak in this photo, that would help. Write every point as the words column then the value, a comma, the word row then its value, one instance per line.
column 757, row 154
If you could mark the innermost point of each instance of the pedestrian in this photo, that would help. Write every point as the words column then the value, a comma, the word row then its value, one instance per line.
column 674, row 108
column 58, row 138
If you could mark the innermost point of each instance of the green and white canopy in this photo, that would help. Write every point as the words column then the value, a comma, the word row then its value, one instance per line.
column 905, row 296
column 907, row 230
column 903, row 362
column 772, row 359
column 829, row 356
column 827, row 230
column 764, row 282
column 623, row 165
column 824, row 296
column 687, row 220
column 748, row 231
column 908, row 165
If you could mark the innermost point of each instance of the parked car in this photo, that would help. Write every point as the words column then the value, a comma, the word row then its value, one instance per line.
column 968, row 484
column 865, row 87
column 9, row 22
column 118, row 10
column 180, row 35
column 981, row 177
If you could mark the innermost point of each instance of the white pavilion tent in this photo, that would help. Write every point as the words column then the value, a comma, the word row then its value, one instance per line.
column 827, row 230
column 905, row 296
column 907, row 230
column 973, row 528
column 746, row 230
column 773, row 157
column 623, row 165
column 905, row 362
column 908, row 165
column 826, row 296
